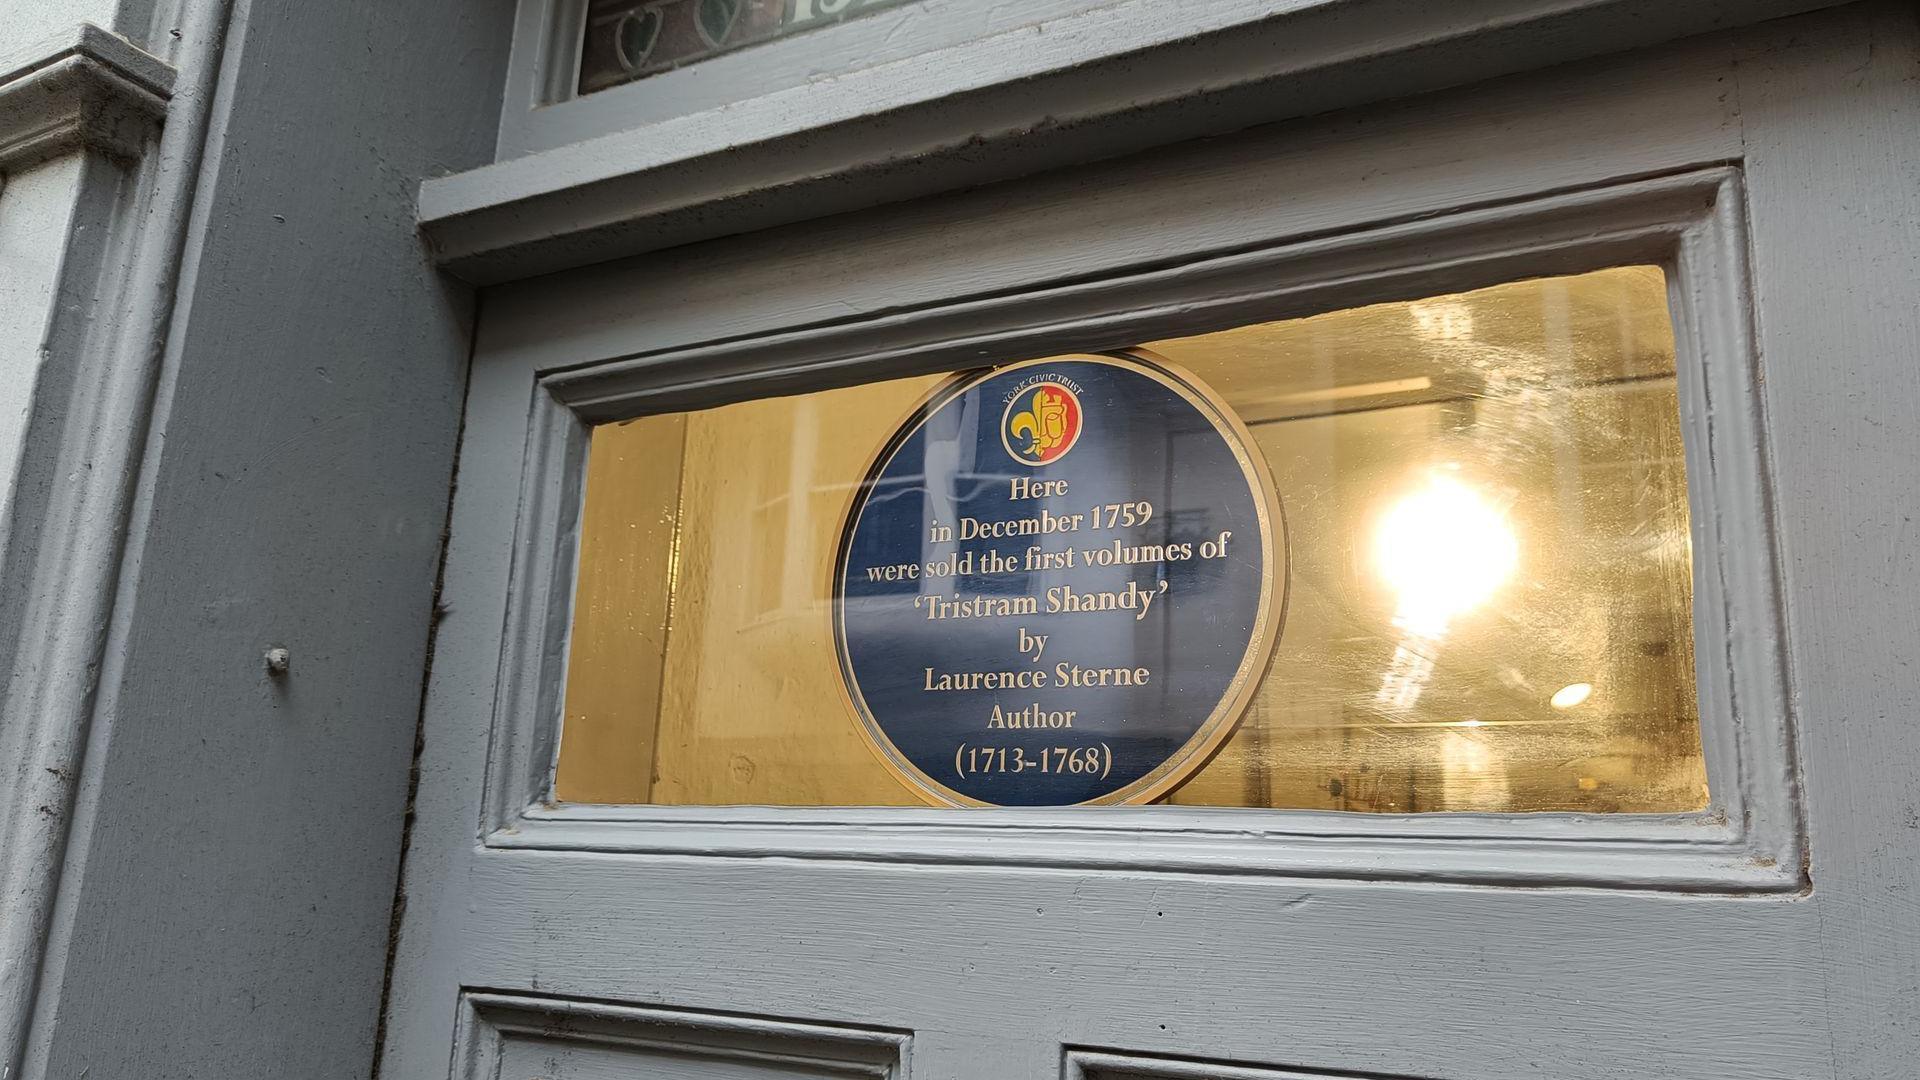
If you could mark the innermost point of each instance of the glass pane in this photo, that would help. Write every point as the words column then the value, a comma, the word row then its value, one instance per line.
column 631, row 39
column 1485, row 567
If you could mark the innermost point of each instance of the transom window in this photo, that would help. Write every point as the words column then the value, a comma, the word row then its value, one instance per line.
column 1477, row 551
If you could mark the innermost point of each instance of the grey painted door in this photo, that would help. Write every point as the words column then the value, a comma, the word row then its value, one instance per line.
column 1768, row 171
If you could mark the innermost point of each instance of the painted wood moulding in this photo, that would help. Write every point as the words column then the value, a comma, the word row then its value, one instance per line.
column 87, row 88
column 1087, row 85
column 502, row 1034
column 1750, row 840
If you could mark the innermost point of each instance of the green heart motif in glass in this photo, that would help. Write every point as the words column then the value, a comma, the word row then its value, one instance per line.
column 716, row 19
column 636, row 36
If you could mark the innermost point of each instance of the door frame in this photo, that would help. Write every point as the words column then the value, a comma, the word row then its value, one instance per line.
column 1730, row 159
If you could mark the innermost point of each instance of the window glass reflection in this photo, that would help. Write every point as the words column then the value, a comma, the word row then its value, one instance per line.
column 1489, row 583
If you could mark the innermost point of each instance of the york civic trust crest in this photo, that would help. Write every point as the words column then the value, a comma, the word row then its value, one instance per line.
column 1042, row 420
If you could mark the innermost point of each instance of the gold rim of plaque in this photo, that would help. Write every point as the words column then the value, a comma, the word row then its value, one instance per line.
column 1269, row 616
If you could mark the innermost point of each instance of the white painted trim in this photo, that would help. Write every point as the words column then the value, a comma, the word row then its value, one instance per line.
column 1078, row 1063
column 648, row 1035
column 1087, row 1064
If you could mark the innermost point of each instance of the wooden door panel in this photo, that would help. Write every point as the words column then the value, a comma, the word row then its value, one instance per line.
column 1403, row 979
column 1767, row 169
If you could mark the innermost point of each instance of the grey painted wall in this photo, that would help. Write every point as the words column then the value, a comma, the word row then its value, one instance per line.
column 216, row 892
column 32, row 20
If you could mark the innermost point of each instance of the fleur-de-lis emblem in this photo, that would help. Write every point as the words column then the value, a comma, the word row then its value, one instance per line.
column 1045, row 425
column 1049, row 424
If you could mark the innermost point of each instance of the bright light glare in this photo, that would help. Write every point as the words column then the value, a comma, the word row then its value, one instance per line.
column 1443, row 550
column 1568, row 696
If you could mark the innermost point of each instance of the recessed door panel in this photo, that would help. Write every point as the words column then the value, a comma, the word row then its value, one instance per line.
column 534, row 1037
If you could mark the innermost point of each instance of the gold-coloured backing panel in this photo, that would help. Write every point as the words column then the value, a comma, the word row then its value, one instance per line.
column 1490, row 595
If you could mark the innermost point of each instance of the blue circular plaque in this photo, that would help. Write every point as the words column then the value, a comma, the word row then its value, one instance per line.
column 1058, row 584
